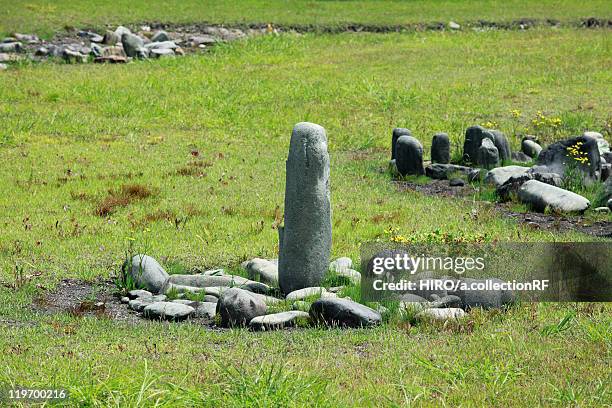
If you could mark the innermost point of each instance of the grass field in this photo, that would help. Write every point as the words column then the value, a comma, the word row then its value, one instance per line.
column 76, row 139
column 45, row 17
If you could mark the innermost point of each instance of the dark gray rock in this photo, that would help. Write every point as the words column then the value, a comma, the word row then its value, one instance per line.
column 472, row 296
column 160, row 36
column 605, row 171
column 607, row 156
column 557, row 159
column 168, row 311
column 501, row 143
column 473, row 140
column 147, row 273
column 442, row 171
column 205, row 309
column 132, row 45
column 237, row 307
column 610, row 201
column 456, row 182
column 541, row 196
column 520, row 157
column 305, row 239
column 488, row 154
column 531, row 148
column 409, row 156
column 397, row 133
column 343, row 312
column 440, row 148
column 277, row 320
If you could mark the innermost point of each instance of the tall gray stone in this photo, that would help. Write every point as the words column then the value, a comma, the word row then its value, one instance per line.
column 147, row 273
column 501, row 142
column 488, row 154
column 473, row 141
column 440, row 148
column 397, row 133
column 531, row 148
column 409, row 156
column 305, row 239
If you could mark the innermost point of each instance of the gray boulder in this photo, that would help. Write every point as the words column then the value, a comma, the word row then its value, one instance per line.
column 541, row 196
column 147, row 273
column 168, row 311
column 343, row 312
column 161, row 53
column 304, row 293
column 556, row 158
column 140, row 303
column 531, row 148
column 397, row 133
column 409, row 156
column 277, row 320
column 119, row 31
column 133, row 294
column 263, row 270
column 440, row 148
column 473, row 140
column 498, row 176
column 472, row 297
column 442, row 171
column 610, row 202
column 205, row 309
column 132, row 45
column 237, row 307
column 160, row 36
column 488, row 154
column 501, row 143
column 520, row 157
column 305, row 240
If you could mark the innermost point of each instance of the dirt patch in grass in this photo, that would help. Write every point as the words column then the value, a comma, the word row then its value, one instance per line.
column 98, row 298
column 122, row 197
column 194, row 169
column 556, row 223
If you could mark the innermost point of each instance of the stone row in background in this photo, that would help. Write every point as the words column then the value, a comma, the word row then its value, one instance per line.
column 118, row 45
column 588, row 156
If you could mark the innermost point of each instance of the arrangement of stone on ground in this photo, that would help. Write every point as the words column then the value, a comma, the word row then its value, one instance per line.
column 119, row 45
column 296, row 277
column 584, row 160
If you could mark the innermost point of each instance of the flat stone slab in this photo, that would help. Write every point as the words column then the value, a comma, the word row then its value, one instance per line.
column 136, row 293
column 277, row 320
column 541, row 196
column 168, row 311
column 343, row 312
column 302, row 294
column 499, row 175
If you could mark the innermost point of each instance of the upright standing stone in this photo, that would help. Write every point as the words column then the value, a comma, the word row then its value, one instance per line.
column 501, row 142
column 473, row 140
column 397, row 133
column 440, row 148
column 305, row 240
column 531, row 148
column 488, row 154
column 409, row 156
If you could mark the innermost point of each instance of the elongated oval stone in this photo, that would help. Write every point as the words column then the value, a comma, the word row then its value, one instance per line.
column 305, row 239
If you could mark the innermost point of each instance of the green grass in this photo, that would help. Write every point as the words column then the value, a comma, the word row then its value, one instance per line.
column 73, row 135
column 45, row 17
